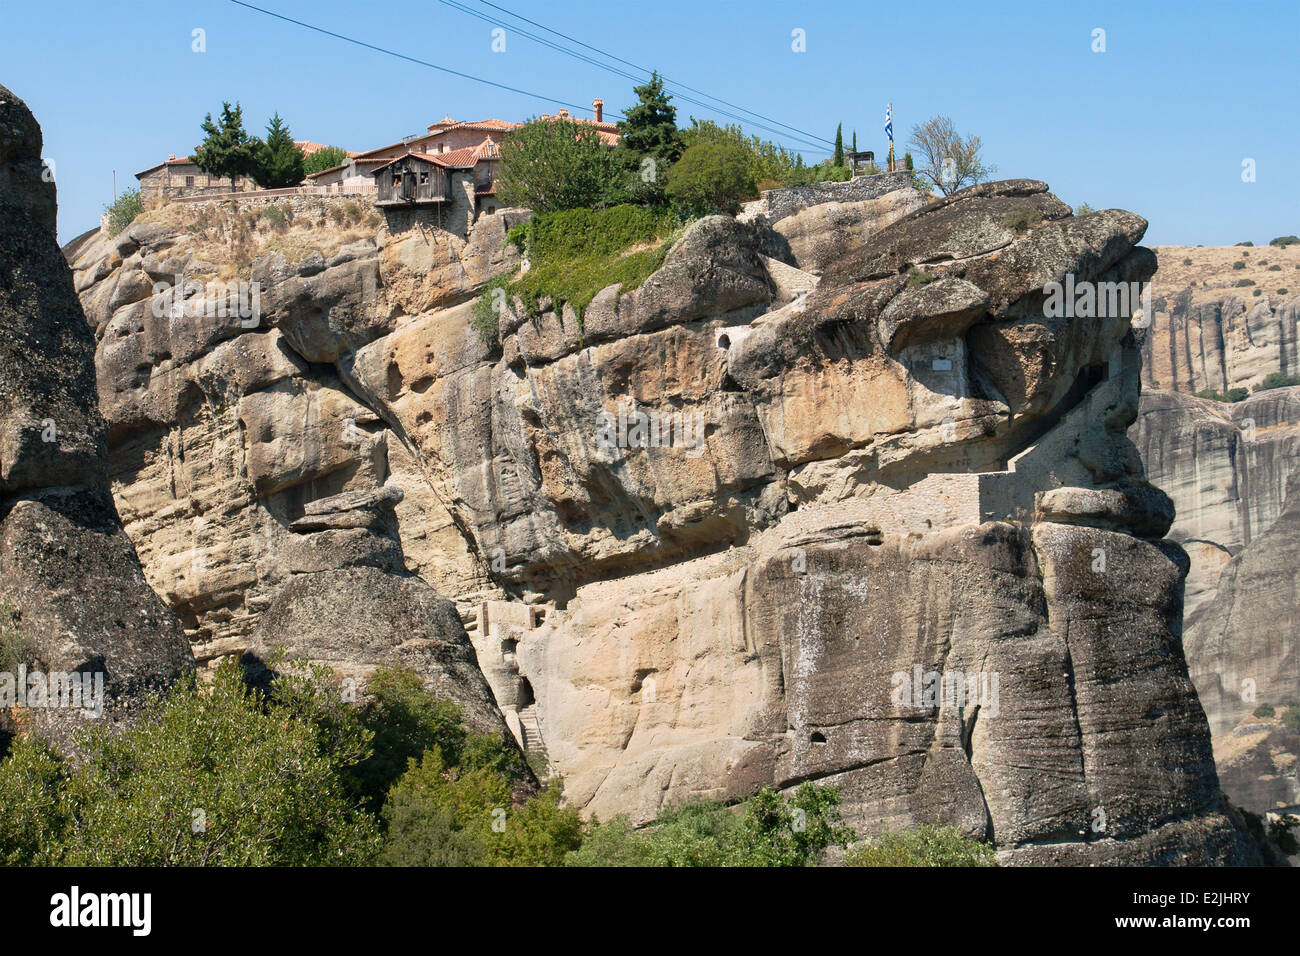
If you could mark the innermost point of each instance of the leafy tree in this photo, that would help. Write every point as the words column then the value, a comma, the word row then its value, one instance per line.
column 227, row 150
column 327, row 157
column 837, row 158
column 927, row 845
column 650, row 141
column 280, row 162
column 440, row 815
column 124, row 210
column 548, row 165
column 949, row 161
column 208, row 776
column 767, row 161
column 765, row 830
column 713, row 176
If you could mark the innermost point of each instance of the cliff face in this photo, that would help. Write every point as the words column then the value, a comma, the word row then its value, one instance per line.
column 1228, row 468
column 1211, row 330
column 66, row 569
column 849, row 507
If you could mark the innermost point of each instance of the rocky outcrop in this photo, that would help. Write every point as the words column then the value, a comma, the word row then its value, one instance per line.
column 1225, row 317
column 69, row 574
column 752, row 512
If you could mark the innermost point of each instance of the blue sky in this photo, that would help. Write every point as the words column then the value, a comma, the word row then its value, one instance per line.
column 1159, row 123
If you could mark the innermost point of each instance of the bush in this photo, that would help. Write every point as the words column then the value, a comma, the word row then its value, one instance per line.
column 711, row 177
column 765, row 830
column 574, row 254
column 1264, row 710
column 209, row 776
column 925, row 846
column 485, row 314
column 1187, row 262
column 1291, row 719
column 917, row 276
column 276, row 216
column 1285, row 241
column 1246, row 243
column 327, row 157
column 124, row 211
column 1239, row 264
column 446, row 815
column 1283, row 292
column 1275, row 268
column 1257, row 292
column 551, row 165
column 1020, row 220
column 1243, row 283
column 1277, row 380
column 1232, row 395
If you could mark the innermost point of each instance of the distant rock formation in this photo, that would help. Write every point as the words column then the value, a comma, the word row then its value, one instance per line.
column 830, row 496
column 65, row 565
column 1228, row 468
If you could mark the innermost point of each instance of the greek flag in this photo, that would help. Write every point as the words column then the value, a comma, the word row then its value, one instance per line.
column 889, row 122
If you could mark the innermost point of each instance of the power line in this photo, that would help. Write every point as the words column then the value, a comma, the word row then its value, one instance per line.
column 623, row 73
column 409, row 59
column 793, row 129
column 458, row 73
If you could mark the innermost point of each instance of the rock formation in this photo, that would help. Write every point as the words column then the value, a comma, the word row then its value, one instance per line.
column 68, row 573
column 831, row 496
column 1228, row 467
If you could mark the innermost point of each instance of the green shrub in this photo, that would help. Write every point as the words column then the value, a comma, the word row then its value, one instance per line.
column 16, row 647
column 574, row 254
column 924, row 846
column 485, row 313
column 1283, row 292
column 276, row 216
column 124, row 210
column 1243, row 283
column 765, row 830
column 917, row 276
column 1291, row 719
column 1257, row 292
column 1246, row 243
column 711, row 177
column 1274, row 268
column 327, row 157
column 211, row 775
column 1232, row 395
column 1277, row 380
column 1187, row 262
column 1264, row 710
column 551, row 165
column 1020, row 220
column 1285, row 241
column 1239, row 264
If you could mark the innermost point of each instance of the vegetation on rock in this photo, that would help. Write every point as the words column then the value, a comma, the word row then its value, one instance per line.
column 926, row 845
column 124, row 211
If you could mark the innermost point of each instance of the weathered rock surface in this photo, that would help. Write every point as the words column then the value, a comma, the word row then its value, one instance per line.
column 66, row 567
column 739, row 501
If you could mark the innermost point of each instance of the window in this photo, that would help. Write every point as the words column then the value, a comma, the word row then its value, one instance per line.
column 189, row 180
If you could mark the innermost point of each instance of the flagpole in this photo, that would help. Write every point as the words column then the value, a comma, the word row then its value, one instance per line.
column 891, row 137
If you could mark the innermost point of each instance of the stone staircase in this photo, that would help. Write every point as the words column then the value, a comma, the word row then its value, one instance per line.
column 532, row 730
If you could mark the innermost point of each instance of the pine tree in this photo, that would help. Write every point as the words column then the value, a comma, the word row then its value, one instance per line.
column 855, row 141
column 649, row 132
column 227, row 150
column 279, row 160
column 838, row 158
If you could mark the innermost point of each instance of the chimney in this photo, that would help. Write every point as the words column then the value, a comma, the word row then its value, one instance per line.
column 598, row 107
column 171, row 157
column 563, row 111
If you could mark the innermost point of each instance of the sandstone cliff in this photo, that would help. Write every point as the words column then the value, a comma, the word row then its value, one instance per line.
column 1227, row 467
column 66, row 568
column 713, row 534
